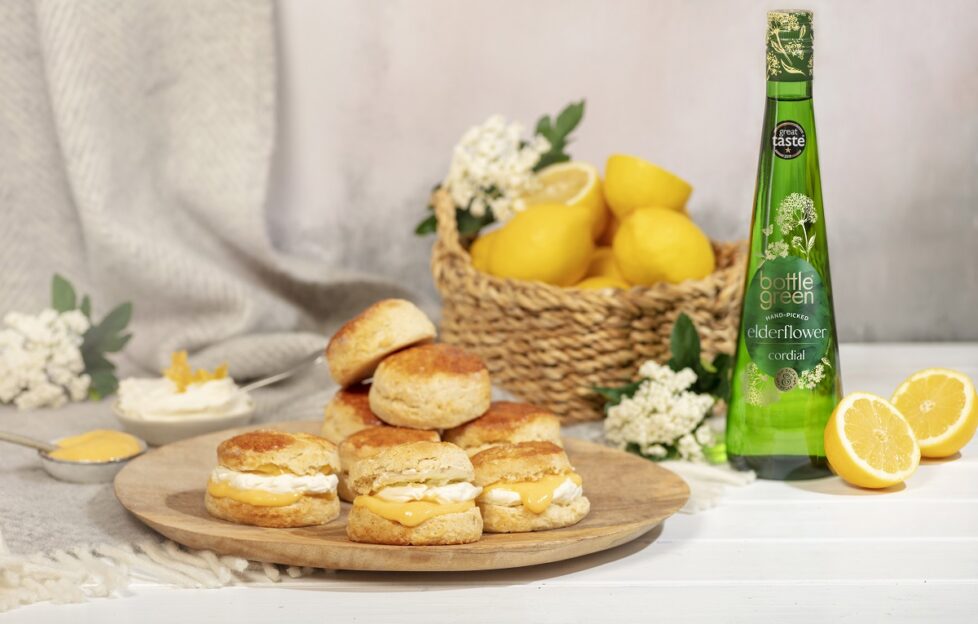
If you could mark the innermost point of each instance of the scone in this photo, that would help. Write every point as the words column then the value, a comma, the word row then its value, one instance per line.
column 385, row 327
column 434, row 386
column 274, row 479
column 348, row 412
column 370, row 442
column 529, row 486
column 506, row 423
column 414, row 494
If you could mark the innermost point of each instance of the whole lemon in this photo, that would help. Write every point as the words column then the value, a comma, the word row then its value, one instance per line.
column 545, row 243
column 660, row 245
column 479, row 251
column 631, row 182
column 601, row 282
column 603, row 264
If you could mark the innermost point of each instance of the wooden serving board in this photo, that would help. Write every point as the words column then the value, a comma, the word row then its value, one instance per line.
column 165, row 489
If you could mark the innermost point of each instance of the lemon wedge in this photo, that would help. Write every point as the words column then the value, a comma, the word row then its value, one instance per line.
column 869, row 443
column 942, row 410
column 572, row 184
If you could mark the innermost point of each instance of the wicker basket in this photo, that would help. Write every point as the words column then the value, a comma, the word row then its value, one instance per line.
column 551, row 345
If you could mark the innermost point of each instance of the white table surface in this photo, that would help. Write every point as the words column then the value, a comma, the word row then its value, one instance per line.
column 774, row 551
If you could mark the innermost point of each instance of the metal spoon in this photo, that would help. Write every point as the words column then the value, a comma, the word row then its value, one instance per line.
column 313, row 358
column 15, row 438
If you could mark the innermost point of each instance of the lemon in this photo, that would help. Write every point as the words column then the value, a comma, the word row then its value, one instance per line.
column 659, row 245
column 608, row 235
column 603, row 264
column 572, row 184
column 600, row 282
column 545, row 243
column 480, row 250
column 869, row 443
column 942, row 409
column 630, row 183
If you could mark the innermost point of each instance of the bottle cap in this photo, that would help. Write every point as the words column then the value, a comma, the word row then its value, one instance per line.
column 789, row 45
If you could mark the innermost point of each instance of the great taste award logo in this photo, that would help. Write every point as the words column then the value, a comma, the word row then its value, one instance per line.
column 788, row 140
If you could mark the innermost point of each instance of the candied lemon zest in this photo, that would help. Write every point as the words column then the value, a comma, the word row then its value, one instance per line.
column 182, row 375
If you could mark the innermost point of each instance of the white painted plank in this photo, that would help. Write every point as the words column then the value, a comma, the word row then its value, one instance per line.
column 904, row 601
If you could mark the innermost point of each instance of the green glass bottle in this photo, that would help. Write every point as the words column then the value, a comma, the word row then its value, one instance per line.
column 786, row 378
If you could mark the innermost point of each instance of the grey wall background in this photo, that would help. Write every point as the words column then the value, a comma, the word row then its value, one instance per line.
column 374, row 95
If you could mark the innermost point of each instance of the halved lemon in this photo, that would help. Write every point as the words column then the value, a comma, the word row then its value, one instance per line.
column 573, row 184
column 942, row 410
column 869, row 443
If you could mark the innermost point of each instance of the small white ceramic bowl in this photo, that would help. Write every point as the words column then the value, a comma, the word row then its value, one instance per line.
column 160, row 432
column 85, row 472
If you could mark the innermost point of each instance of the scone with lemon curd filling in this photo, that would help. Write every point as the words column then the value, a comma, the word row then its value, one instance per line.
column 348, row 412
column 356, row 349
column 506, row 423
column 370, row 442
column 414, row 494
column 529, row 486
column 274, row 479
column 434, row 386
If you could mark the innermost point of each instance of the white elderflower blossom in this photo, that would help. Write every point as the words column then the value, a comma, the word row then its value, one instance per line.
column 662, row 413
column 492, row 166
column 41, row 363
column 794, row 210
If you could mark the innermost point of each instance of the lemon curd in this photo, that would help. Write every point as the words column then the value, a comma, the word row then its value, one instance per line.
column 536, row 495
column 100, row 445
column 411, row 513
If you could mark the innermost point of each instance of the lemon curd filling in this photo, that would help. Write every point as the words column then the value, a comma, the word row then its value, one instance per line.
column 269, row 490
column 411, row 513
column 534, row 495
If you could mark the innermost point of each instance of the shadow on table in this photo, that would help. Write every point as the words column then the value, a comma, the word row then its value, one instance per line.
column 358, row 581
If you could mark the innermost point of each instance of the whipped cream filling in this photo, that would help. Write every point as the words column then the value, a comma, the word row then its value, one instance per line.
column 157, row 399
column 442, row 494
column 279, row 484
column 566, row 492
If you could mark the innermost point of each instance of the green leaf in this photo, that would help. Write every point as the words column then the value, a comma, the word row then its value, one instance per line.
column 614, row 396
column 544, row 128
column 104, row 383
column 86, row 307
column 115, row 343
column 557, row 133
column 429, row 225
column 62, row 294
column 95, row 361
column 469, row 224
column 685, row 345
column 116, row 320
column 569, row 118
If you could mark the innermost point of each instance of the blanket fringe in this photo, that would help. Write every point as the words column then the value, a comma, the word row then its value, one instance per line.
column 104, row 570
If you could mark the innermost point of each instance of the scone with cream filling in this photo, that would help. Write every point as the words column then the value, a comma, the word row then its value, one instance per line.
column 347, row 413
column 433, row 386
column 390, row 325
column 274, row 479
column 370, row 442
column 506, row 422
column 530, row 486
column 414, row 494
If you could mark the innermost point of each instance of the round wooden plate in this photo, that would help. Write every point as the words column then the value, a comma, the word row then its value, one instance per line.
column 165, row 489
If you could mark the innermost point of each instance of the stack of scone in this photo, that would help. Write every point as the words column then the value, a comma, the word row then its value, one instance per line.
column 499, row 466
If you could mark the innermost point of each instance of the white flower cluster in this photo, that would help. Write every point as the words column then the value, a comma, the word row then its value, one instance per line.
column 40, row 359
column 809, row 379
column 492, row 166
column 662, row 413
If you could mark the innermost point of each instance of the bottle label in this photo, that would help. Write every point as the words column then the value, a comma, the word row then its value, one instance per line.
column 787, row 323
column 788, row 140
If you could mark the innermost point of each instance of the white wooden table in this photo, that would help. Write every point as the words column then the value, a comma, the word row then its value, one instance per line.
column 791, row 552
